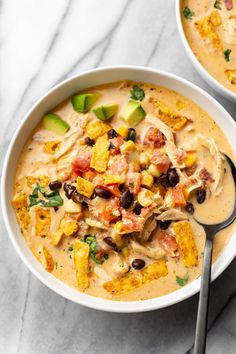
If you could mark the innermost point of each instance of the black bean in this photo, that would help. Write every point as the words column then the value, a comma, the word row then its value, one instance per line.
column 126, row 199
column 189, row 208
column 112, row 134
column 55, row 208
column 88, row 141
column 137, row 209
column 172, row 177
column 76, row 197
column 165, row 224
column 131, row 134
column 201, row 196
column 138, row 263
column 55, row 185
column 69, row 189
column 121, row 187
column 109, row 242
column 102, row 193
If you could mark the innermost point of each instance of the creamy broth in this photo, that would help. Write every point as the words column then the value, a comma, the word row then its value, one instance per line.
column 213, row 58
column 35, row 161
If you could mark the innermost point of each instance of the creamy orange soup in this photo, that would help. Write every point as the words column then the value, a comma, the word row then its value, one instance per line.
column 107, row 186
column 210, row 28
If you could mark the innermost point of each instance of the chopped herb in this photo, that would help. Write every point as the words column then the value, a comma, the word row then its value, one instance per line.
column 217, row 5
column 227, row 54
column 71, row 248
column 93, row 248
column 182, row 281
column 131, row 184
column 188, row 13
column 137, row 93
column 53, row 199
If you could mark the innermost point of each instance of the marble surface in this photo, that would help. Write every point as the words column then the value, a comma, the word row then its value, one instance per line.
column 41, row 43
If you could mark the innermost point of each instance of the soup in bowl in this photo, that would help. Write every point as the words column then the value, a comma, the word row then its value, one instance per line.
column 108, row 183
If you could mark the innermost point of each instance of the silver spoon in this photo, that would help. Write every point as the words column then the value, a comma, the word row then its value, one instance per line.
column 202, row 315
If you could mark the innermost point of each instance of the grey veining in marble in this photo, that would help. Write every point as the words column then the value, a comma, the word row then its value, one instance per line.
column 41, row 43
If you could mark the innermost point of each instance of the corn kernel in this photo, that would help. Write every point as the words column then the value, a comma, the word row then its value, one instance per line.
column 190, row 159
column 154, row 171
column 144, row 160
column 145, row 197
column 123, row 131
column 118, row 226
column 128, row 146
column 147, row 179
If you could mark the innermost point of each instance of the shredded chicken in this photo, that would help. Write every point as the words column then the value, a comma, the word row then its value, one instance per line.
column 172, row 214
column 149, row 227
column 152, row 252
column 119, row 265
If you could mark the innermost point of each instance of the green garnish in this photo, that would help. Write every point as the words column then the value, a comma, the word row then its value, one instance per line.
column 137, row 93
column 182, row 281
column 188, row 13
column 71, row 248
column 93, row 248
column 131, row 184
column 52, row 199
column 227, row 54
column 217, row 5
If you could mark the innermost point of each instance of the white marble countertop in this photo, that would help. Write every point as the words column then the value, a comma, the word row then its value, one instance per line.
column 41, row 43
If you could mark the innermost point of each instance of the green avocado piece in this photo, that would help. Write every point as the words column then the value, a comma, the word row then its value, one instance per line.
column 55, row 124
column 83, row 102
column 106, row 111
column 133, row 113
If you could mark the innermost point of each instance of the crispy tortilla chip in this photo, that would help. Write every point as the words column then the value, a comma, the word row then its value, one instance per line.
column 69, row 227
column 47, row 261
column 51, row 147
column 170, row 118
column 84, row 187
column 81, row 260
column 56, row 237
column 136, row 279
column 20, row 204
column 231, row 75
column 43, row 180
column 42, row 221
column 96, row 128
column 186, row 243
column 206, row 26
column 100, row 154
column 107, row 179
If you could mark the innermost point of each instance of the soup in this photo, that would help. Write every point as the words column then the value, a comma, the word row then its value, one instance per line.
column 210, row 28
column 107, row 186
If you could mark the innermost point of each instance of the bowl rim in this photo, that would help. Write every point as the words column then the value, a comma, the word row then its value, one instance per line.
column 72, row 294
column 215, row 84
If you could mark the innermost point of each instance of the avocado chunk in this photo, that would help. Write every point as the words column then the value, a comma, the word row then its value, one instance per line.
column 133, row 113
column 83, row 102
column 106, row 111
column 55, row 124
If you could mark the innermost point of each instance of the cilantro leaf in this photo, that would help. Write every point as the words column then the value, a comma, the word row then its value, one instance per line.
column 188, row 14
column 182, row 281
column 52, row 199
column 93, row 248
column 217, row 5
column 137, row 93
column 227, row 54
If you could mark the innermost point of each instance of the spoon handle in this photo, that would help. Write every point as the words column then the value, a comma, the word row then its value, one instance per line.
column 202, row 315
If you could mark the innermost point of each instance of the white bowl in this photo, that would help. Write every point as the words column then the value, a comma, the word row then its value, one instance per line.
column 47, row 102
column 216, row 85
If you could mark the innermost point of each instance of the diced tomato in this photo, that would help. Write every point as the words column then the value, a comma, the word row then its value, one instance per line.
column 82, row 161
column 205, row 176
column 229, row 4
column 119, row 165
column 132, row 222
column 111, row 211
column 169, row 243
column 161, row 160
column 113, row 188
column 146, row 210
column 154, row 138
column 134, row 180
column 180, row 155
column 178, row 195
column 89, row 175
column 115, row 144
